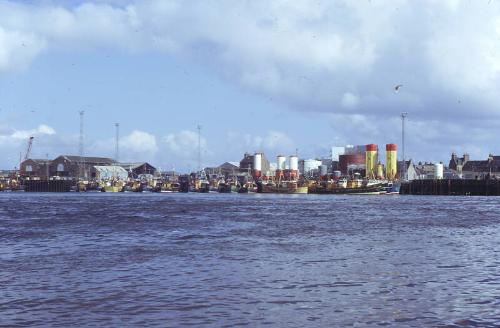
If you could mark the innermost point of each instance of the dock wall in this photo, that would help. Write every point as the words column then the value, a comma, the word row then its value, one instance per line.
column 452, row 187
column 48, row 186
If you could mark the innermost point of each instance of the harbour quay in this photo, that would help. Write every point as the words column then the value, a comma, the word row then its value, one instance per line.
column 451, row 187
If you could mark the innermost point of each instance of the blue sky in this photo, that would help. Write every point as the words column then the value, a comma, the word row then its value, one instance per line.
column 258, row 76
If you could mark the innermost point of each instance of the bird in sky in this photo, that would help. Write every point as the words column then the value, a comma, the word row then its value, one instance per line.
column 397, row 87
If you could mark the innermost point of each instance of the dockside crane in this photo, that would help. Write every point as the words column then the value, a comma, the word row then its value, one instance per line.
column 26, row 154
column 28, row 149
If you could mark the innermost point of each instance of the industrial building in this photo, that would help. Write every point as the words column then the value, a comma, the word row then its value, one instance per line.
column 136, row 169
column 110, row 172
column 309, row 167
column 351, row 159
column 352, row 163
column 76, row 166
column 248, row 162
column 226, row 169
column 68, row 166
column 35, row 167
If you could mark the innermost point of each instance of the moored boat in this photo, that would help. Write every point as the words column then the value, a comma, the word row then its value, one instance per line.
column 284, row 187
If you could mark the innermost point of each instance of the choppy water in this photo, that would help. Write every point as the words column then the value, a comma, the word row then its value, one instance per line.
column 227, row 260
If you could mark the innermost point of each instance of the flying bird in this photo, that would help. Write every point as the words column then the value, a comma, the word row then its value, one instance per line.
column 397, row 87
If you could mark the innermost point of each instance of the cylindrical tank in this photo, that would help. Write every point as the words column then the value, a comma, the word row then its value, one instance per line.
column 294, row 167
column 280, row 167
column 294, row 163
column 257, row 165
column 380, row 171
column 347, row 160
column 323, row 170
column 391, row 162
column 281, row 162
column 371, row 160
column 439, row 169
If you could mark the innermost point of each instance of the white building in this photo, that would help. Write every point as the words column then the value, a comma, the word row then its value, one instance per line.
column 308, row 167
column 336, row 152
column 110, row 172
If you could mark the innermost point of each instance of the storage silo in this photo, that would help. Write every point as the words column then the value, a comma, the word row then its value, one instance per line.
column 349, row 160
column 281, row 164
column 391, row 162
column 371, row 160
column 294, row 167
column 257, row 165
column 380, row 171
column 439, row 171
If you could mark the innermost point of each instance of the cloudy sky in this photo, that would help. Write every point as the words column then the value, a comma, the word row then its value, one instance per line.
column 272, row 76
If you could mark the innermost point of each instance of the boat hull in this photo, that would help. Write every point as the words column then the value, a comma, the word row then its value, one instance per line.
column 284, row 190
column 350, row 191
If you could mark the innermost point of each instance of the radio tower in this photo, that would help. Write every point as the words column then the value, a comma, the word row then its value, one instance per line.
column 80, row 145
column 117, row 142
column 403, row 117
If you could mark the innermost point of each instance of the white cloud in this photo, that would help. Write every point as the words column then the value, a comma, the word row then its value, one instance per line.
column 181, row 150
column 18, row 49
column 136, row 146
column 139, row 142
column 12, row 135
column 304, row 54
column 337, row 57
column 184, row 143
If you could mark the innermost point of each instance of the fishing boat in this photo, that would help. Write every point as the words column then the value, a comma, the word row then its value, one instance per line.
column 112, row 186
column 392, row 188
column 346, row 186
column 223, row 187
column 283, row 187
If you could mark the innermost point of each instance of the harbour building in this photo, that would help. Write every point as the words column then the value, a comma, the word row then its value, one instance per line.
column 466, row 168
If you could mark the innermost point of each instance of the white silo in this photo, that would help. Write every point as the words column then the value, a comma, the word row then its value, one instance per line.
column 281, row 164
column 439, row 171
column 294, row 167
column 257, row 165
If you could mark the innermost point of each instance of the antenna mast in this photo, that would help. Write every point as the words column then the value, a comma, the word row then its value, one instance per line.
column 117, row 142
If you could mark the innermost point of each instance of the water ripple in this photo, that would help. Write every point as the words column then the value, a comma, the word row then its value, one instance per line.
column 248, row 260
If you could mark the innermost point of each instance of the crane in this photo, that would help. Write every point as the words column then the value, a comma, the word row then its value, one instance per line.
column 26, row 155
column 28, row 150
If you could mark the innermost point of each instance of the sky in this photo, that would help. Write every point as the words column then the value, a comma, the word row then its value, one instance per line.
column 274, row 76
